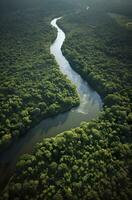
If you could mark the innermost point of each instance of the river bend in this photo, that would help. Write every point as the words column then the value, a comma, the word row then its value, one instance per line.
column 89, row 108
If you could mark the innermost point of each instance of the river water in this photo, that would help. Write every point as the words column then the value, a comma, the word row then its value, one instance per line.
column 89, row 108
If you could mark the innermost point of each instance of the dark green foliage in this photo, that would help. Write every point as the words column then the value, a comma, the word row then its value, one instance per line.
column 31, row 85
column 92, row 162
column 104, row 56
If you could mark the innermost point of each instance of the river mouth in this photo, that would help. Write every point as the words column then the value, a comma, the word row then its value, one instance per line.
column 89, row 108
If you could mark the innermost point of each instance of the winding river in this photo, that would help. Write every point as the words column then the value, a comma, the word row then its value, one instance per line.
column 89, row 108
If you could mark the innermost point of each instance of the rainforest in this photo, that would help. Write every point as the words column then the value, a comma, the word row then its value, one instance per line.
column 65, row 100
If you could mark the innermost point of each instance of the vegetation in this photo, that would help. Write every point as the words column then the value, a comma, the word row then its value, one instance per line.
column 89, row 162
column 104, row 56
column 122, row 20
column 93, row 161
column 31, row 85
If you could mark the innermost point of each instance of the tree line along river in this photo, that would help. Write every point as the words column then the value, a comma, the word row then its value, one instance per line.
column 89, row 108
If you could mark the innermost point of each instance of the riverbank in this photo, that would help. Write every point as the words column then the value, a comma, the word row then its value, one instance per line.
column 89, row 108
column 94, row 160
column 27, row 93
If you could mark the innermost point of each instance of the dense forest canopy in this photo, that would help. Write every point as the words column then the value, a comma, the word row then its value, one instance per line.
column 26, row 93
column 90, row 162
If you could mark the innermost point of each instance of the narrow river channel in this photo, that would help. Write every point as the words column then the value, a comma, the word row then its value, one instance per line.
column 89, row 108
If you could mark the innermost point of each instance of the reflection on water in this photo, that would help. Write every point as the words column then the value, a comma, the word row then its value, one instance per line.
column 90, row 101
column 89, row 108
